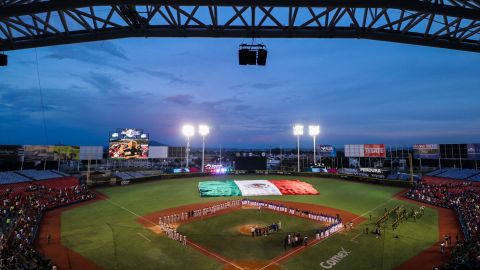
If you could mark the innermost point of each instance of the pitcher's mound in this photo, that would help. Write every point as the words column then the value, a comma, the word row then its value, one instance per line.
column 247, row 228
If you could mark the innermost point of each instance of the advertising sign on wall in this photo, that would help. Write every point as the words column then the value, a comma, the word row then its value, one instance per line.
column 473, row 150
column 365, row 150
column 431, row 151
column 327, row 151
column 374, row 150
column 64, row 152
column 11, row 152
column 39, row 152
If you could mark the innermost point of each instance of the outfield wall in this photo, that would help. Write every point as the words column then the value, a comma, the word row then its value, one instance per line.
column 398, row 183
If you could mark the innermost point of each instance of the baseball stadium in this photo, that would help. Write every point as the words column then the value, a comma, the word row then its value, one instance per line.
column 154, row 135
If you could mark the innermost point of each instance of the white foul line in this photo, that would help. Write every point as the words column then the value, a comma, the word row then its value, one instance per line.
column 280, row 258
column 144, row 237
column 215, row 255
column 199, row 247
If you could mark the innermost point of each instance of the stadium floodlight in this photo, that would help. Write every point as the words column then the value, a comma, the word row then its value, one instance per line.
column 314, row 130
column 203, row 130
column 298, row 131
column 188, row 131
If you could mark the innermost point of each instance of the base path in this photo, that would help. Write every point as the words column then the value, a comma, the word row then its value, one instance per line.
column 447, row 224
column 61, row 256
column 151, row 220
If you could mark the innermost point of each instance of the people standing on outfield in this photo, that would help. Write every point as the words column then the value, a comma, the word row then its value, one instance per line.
column 252, row 230
column 442, row 248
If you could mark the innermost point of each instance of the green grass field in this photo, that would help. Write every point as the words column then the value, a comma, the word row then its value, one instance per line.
column 221, row 234
column 107, row 233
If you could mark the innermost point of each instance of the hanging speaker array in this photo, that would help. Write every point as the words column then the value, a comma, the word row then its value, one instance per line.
column 255, row 54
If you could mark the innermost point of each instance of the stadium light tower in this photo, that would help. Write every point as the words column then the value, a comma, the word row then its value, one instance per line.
column 203, row 130
column 188, row 131
column 314, row 130
column 298, row 131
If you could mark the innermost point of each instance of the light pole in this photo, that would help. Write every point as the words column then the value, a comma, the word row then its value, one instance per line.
column 203, row 130
column 314, row 131
column 188, row 131
column 298, row 131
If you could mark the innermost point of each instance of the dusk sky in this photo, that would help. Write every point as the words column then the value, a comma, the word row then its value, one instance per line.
column 359, row 91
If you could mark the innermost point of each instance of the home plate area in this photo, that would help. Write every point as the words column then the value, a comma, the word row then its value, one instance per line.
column 246, row 233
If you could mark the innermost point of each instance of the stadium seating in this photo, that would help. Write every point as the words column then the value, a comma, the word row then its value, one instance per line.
column 39, row 175
column 136, row 174
column 21, row 215
column 123, row 175
column 12, row 177
column 475, row 178
column 437, row 172
column 458, row 173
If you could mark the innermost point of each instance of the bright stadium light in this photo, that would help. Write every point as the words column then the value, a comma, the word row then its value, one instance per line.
column 203, row 130
column 314, row 130
column 298, row 131
column 188, row 131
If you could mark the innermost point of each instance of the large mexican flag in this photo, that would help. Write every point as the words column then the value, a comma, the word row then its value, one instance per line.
column 255, row 188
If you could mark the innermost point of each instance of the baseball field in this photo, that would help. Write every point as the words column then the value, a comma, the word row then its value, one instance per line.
column 117, row 230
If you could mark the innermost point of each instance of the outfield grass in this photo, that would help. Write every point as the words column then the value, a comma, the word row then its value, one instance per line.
column 221, row 234
column 107, row 233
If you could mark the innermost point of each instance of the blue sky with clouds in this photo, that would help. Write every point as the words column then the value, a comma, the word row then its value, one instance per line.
column 359, row 91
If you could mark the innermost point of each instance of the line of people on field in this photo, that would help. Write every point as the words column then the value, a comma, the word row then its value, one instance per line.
column 292, row 211
column 172, row 233
column 201, row 212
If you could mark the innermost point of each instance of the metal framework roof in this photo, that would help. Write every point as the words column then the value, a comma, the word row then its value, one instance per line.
column 453, row 24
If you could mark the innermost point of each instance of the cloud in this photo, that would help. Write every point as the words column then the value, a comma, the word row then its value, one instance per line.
column 170, row 77
column 180, row 99
column 257, row 86
column 103, row 53
column 104, row 83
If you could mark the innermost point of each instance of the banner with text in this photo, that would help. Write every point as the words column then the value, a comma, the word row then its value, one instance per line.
column 375, row 150
column 427, row 151
column 473, row 150
column 327, row 151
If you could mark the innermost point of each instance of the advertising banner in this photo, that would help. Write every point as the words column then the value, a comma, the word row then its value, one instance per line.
column 63, row 152
column 375, row 150
column 427, row 151
column 327, row 151
column 39, row 152
column 473, row 150
column 11, row 152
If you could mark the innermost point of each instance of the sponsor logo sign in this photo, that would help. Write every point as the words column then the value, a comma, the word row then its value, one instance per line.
column 327, row 151
column 426, row 151
column 374, row 150
column 473, row 151
column 335, row 259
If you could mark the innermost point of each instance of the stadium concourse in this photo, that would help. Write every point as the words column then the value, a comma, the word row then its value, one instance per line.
column 27, row 196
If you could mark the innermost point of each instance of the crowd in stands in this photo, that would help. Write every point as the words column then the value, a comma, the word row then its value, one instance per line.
column 20, row 216
column 464, row 198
